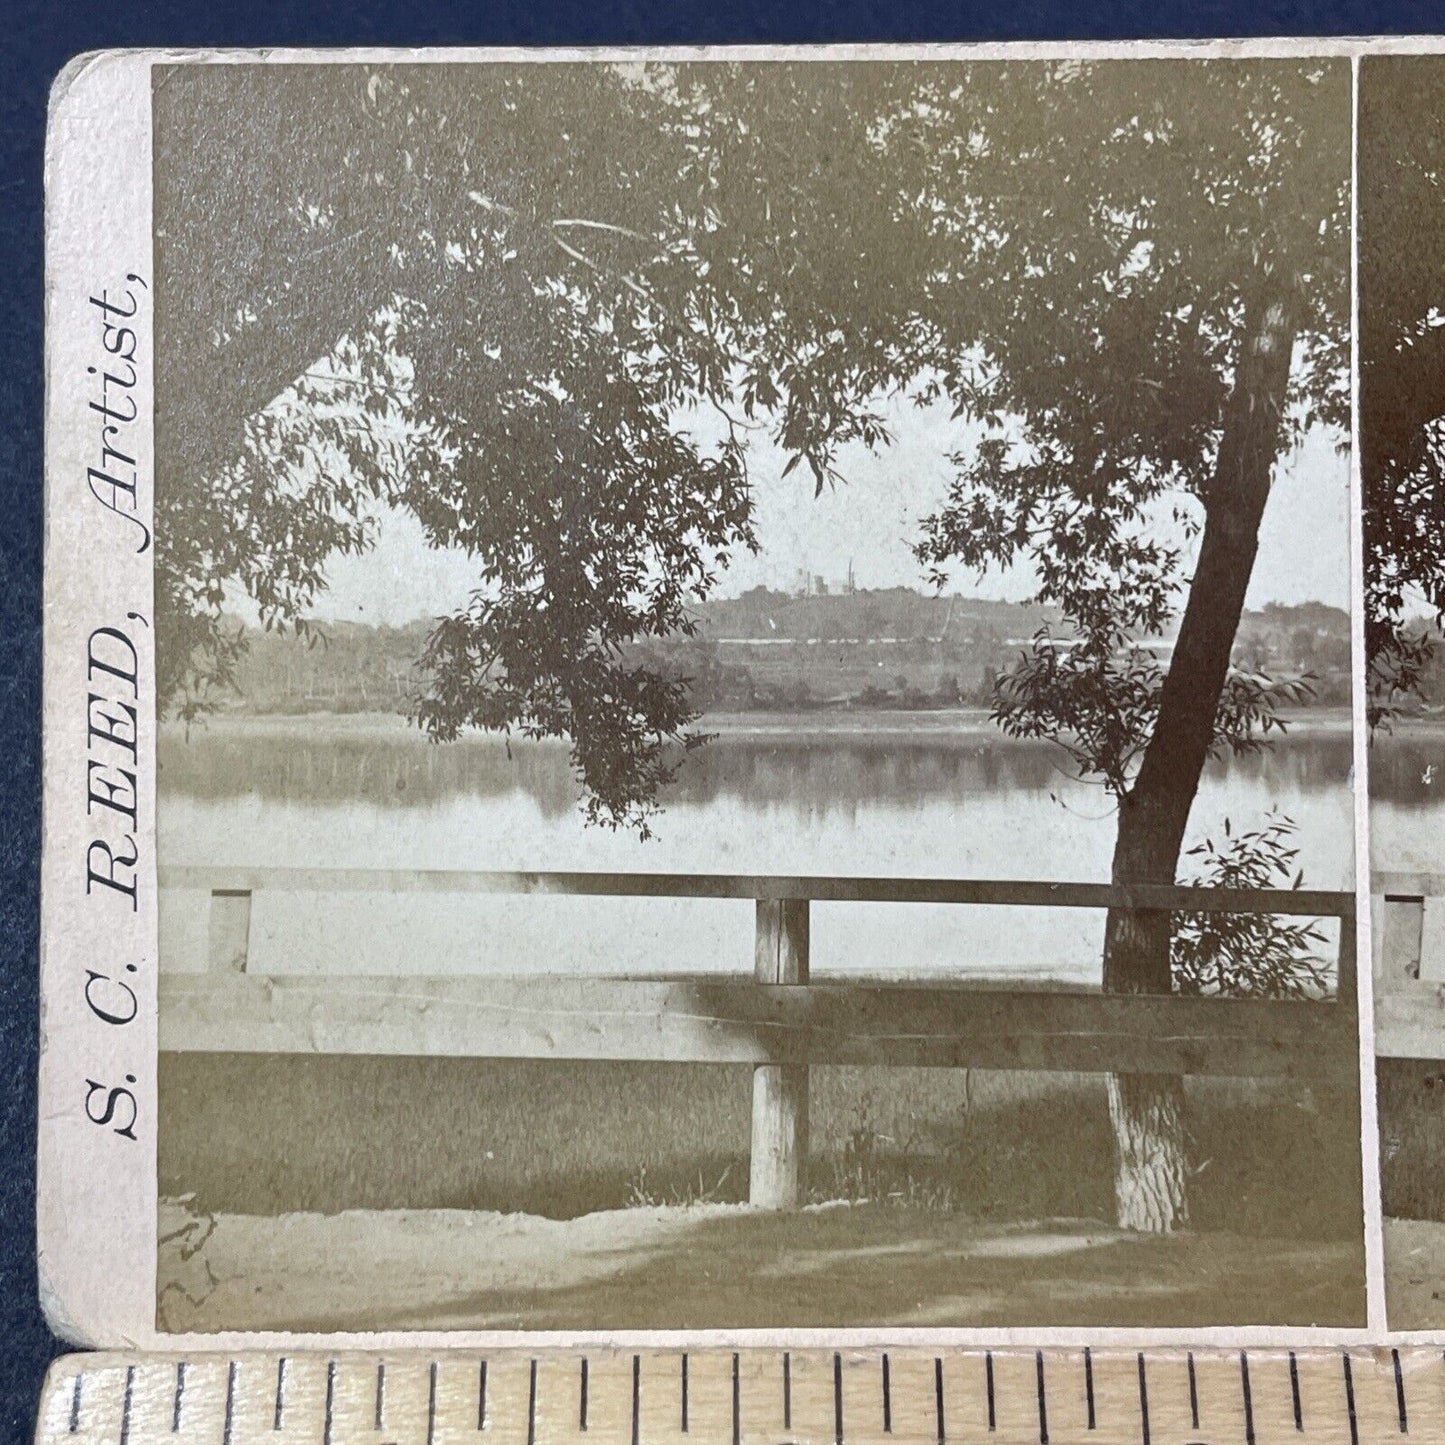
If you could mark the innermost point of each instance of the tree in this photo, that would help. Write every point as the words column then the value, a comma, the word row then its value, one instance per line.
column 1154, row 340
column 1402, row 369
column 537, row 295
column 1131, row 276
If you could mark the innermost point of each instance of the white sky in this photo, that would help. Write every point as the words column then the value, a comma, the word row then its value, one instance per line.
column 873, row 521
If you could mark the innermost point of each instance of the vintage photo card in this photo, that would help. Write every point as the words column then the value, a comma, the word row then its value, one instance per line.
column 1402, row 412
column 704, row 692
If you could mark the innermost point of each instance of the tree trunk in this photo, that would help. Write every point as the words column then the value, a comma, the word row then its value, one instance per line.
column 1147, row 1110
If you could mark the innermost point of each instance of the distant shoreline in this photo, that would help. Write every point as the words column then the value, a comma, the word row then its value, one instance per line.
column 934, row 726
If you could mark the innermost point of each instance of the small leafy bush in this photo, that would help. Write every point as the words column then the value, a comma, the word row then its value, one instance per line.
column 1250, row 955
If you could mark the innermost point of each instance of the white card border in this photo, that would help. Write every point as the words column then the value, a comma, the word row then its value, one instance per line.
column 97, row 1204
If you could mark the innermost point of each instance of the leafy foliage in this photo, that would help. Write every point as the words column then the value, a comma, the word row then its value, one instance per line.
column 499, row 373
column 1402, row 356
column 1102, row 434
column 1100, row 706
column 1249, row 955
column 552, row 273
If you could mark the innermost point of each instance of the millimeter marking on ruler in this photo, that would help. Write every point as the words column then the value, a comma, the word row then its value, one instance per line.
column 330, row 1401
column 636, row 1397
column 1041, row 1396
column 228, row 1425
column 126, row 1406
column 1350, row 1399
column 1143, row 1399
column 1248, row 1398
column 737, row 1404
column 1400, row 1394
column 938, row 1399
column 1043, row 1402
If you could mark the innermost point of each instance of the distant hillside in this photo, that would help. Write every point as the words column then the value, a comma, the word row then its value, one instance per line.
column 767, row 651
column 891, row 614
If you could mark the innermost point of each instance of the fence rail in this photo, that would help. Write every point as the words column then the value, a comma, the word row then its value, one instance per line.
column 738, row 1022
column 780, row 1022
column 1008, row 893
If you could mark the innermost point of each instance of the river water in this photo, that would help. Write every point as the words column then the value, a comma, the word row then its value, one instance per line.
column 1407, row 799
column 925, row 795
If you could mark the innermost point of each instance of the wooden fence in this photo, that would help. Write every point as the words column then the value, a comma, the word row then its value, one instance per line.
column 1409, row 947
column 779, row 1021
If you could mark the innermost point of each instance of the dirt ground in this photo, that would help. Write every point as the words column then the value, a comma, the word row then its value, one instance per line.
column 725, row 1266
column 1414, row 1274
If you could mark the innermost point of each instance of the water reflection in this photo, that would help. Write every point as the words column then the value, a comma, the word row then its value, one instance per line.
column 396, row 768
column 917, row 803
column 1407, row 768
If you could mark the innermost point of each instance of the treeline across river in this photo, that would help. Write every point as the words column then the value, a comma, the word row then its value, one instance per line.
column 767, row 651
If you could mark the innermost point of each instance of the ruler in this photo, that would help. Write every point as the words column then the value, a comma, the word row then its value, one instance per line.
column 752, row 1396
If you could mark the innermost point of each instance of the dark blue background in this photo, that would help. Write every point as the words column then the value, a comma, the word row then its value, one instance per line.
column 35, row 40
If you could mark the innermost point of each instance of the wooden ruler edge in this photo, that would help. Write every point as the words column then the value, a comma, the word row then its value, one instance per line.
column 1358, row 1394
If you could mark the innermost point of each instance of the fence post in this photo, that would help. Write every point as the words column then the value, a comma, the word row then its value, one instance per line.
column 230, row 930
column 779, row 1153
column 1347, row 996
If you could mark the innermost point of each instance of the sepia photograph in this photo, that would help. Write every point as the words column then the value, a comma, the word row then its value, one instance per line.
column 1402, row 458
column 754, row 691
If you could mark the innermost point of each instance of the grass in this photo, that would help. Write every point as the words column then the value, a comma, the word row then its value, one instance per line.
column 257, row 1134
column 1411, row 1096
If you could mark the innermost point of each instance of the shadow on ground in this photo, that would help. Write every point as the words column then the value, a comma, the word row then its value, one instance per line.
column 725, row 1267
column 882, row 1267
